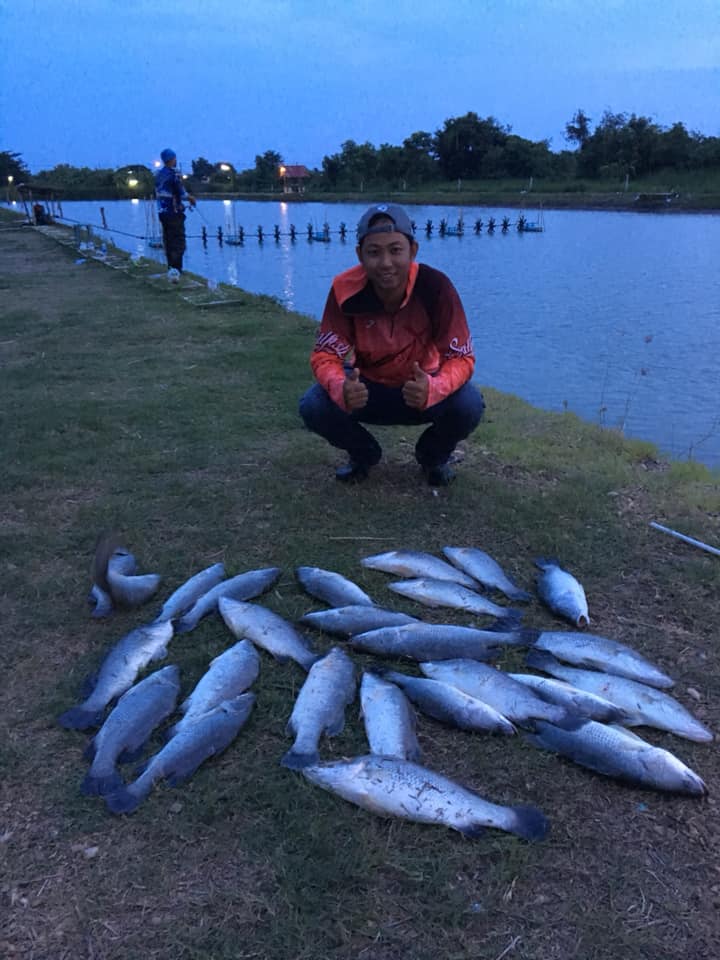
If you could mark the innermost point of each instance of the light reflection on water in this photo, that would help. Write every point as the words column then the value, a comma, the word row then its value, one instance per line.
column 615, row 316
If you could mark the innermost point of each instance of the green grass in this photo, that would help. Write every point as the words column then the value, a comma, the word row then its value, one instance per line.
column 123, row 406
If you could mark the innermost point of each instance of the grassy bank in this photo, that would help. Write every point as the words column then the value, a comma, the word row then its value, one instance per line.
column 124, row 405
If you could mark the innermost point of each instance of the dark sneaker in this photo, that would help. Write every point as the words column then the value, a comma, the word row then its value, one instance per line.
column 440, row 476
column 352, row 472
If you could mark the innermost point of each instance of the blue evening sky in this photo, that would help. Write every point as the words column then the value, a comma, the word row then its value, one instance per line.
column 102, row 83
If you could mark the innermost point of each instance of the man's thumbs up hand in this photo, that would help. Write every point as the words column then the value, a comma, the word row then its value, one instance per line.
column 415, row 391
column 355, row 392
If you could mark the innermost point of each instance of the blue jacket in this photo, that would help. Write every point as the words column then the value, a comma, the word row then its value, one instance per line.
column 169, row 191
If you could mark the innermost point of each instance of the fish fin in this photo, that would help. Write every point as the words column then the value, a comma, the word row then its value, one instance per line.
column 297, row 761
column 544, row 562
column 78, row 718
column 570, row 720
column 472, row 830
column 89, row 684
column 168, row 734
column 142, row 767
column 336, row 726
column 130, row 756
column 518, row 595
column 183, row 626
column 530, row 823
column 540, row 660
column 89, row 751
column 507, row 622
column 122, row 801
column 101, row 786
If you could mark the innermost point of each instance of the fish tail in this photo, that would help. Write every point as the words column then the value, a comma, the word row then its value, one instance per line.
column 124, row 800
column 94, row 786
column 297, row 761
column 529, row 823
column 521, row 596
column 106, row 543
column 472, row 830
column 79, row 718
column 507, row 622
column 569, row 719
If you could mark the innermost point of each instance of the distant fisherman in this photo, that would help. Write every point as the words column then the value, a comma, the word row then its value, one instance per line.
column 393, row 348
column 171, row 198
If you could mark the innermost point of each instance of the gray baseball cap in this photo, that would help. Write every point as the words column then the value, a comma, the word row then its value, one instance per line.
column 390, row 211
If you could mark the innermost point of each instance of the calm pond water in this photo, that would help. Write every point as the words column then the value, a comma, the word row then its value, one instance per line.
column 614, row 316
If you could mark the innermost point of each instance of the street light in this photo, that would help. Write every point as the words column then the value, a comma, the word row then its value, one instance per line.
column 132, row 183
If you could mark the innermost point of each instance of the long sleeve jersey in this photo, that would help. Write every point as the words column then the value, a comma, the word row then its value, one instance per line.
column 169, row 191
column 429, row 327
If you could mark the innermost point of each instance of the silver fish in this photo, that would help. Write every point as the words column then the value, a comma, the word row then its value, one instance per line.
column 320, row 707
column 414, row 563
column 189, row 592
column 642, row 705
column 331, row 587
column 439, row 641
column 355, row 618
column 389, row 719
column 442, row 593
column 512, row 699
column 598, row 653
column 267, row 629
column 245, row 586
column 617, row 752
column 449, row 705
column 128, row 726
column 481, row 567
column 134, row 590
column 229, row 674
column 562, row 593
column 118, row 672
column 585, row 704
column 399, row 788
column 100, row 602
column 182, row 755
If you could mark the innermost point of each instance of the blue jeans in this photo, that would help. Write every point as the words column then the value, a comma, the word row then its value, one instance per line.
column 451, row 420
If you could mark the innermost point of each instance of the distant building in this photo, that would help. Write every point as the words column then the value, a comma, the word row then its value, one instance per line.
column 293, row 177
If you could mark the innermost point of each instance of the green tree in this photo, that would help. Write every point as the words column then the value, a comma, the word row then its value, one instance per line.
column 419, row 160
column 578, row 129
column 12, row 165
column 202, row 168
column 462, row 144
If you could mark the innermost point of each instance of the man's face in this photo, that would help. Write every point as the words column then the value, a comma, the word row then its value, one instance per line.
column 386, row 258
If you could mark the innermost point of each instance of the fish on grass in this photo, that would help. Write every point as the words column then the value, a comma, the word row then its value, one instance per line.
column 449, row 705
column 482, row 568
column 390, row 721
column 641, row 705
column 511, row 699
column 331, row 587
column 115, row 577
column 127, row 728
column 245, row 586
column 320, row 707
column 229, row 674
column 589, row 651
column 617, row 752
column 443, row 593
column 390, row 787
column 178, row 760
column 190, row 592
column 441, row 641
column 268, row 630
column 561, row 592
column 118, row 673
column 355, row 618
column 415, row 564
column 584, row 704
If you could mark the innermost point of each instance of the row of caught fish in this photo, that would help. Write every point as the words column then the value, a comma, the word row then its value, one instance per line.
column 432, row 582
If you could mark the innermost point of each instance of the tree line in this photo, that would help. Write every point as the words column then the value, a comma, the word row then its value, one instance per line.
column 465, row 148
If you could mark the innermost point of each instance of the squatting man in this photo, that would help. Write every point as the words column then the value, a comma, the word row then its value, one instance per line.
column 393, row 348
